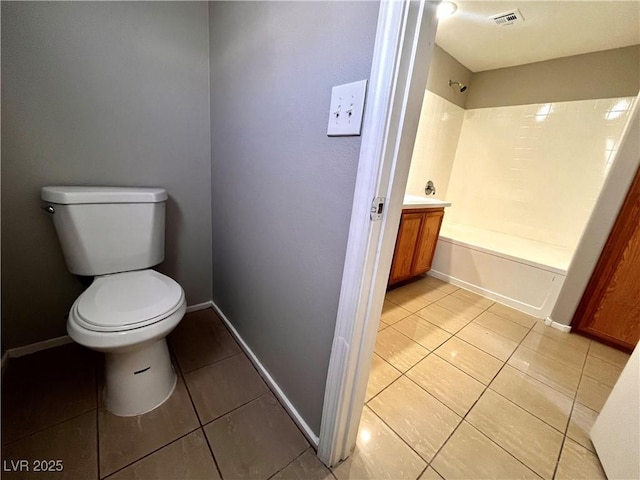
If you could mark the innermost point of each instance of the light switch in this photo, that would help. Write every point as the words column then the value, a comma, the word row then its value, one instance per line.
column 347, row 107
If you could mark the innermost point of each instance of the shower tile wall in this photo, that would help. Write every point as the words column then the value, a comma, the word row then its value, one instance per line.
column 534, row 171
column 435, row 146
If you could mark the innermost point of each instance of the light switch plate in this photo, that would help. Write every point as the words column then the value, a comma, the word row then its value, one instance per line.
column 347, row 107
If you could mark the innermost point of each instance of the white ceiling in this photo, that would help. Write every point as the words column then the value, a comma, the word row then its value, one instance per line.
column 551, row 29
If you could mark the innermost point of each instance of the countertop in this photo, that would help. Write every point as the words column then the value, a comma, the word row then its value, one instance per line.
column 416, row 201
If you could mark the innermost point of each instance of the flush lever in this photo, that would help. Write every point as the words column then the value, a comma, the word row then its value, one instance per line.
column 48, row 209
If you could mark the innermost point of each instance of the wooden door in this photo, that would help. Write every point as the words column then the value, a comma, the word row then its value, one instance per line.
column 427, row 242
column 610, row 306
column 405, row 246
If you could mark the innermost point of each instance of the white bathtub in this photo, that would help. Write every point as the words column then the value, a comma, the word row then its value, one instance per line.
column 521, row 273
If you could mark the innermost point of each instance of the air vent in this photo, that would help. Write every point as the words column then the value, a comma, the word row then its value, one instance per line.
column 508, row 18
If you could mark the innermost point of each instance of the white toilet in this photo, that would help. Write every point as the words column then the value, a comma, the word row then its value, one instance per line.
column 115, row 235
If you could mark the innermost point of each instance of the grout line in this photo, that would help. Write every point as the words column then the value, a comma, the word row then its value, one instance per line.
column 297, row 457
column 180, row 373
column 471, row 408
column 152, row 452
column 59, row 422
column 486, row 387
column 240, row 352
column 215, row 462
column 239, row 407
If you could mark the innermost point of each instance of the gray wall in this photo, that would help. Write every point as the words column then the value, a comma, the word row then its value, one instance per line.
column 605, row 74
column 444, row 68
column 105, row 93
column 281, row 189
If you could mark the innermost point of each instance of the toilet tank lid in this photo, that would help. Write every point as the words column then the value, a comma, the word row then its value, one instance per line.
column 67, row 195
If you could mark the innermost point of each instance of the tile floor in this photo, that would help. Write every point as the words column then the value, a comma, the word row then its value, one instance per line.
column 460, row 387
column 221, row 422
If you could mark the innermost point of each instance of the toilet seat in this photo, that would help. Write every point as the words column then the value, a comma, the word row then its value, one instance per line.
column 127, row 301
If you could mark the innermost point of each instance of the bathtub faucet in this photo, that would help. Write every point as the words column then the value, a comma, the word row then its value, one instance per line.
column 429, row 188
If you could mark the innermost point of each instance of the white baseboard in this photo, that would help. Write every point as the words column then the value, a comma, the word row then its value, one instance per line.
column 558, row 326
column 63, row 340
column 39, row 346
column 491, row 295
column 311, row 436
column 4, row 363
column 199, row 306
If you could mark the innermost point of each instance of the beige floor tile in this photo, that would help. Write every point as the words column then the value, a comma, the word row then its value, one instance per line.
column 471, row 360
column 608, row 354
column 503, row 326
column 462, row 308
column 568, row 354
column 201, row 339
column 582, row 419
column 555, row 374
column 488, row 341
column 398, row 349
column 430, row 474
column 471, row 455
column 423, row 332
column 417, row 417
column 255, row 440
column 526, row 437
column 381, row 376
column 219, row 388
column 576, row 462
column 440, row 284
column 73, row 442
column 411, row 301
column 392, row 313
column 512, row 314
column 189, row 457
column 443, row 318
column 562, row 337
column 473, row 298
column 544, row 402
column 592, row 393
column 379, row 454
column 382, row 325
column 602, row 371
column 426, row 290
column 451, row 386
column 65, row 376
column 305, row 467
column 123, row 440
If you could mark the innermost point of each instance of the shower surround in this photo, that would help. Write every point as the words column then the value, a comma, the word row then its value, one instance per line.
column 522, row 181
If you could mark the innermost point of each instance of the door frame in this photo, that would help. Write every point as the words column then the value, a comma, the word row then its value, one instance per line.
column 402, row 54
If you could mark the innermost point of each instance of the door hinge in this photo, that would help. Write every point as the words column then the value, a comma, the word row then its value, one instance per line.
column 377, row 207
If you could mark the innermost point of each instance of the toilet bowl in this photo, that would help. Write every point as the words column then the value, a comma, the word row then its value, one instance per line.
column 128, row 316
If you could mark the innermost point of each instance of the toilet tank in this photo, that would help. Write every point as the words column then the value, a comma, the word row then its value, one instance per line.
column 108, row 229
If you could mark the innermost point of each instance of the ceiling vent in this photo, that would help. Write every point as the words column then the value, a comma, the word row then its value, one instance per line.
column 508, row 18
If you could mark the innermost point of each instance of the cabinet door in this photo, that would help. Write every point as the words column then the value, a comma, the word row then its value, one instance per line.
column 610, row 306
column 427, row 242
column 408, row 233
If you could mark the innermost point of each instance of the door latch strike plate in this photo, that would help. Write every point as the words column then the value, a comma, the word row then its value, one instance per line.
column 377, row 207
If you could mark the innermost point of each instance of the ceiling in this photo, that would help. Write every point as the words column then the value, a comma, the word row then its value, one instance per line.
column 551, row 29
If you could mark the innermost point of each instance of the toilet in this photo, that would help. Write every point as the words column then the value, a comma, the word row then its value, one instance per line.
column 116, row 234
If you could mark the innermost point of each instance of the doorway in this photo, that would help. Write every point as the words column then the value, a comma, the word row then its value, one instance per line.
column 353, row 344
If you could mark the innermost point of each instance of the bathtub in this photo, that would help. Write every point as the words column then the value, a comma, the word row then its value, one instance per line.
column 522, row 273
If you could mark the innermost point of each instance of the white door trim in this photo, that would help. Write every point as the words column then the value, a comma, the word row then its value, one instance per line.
column 402, row 54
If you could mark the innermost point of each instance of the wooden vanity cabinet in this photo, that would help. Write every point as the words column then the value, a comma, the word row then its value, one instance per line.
column 416, row 243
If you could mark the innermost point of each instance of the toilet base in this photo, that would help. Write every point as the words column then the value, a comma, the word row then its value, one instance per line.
column 137, row 381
